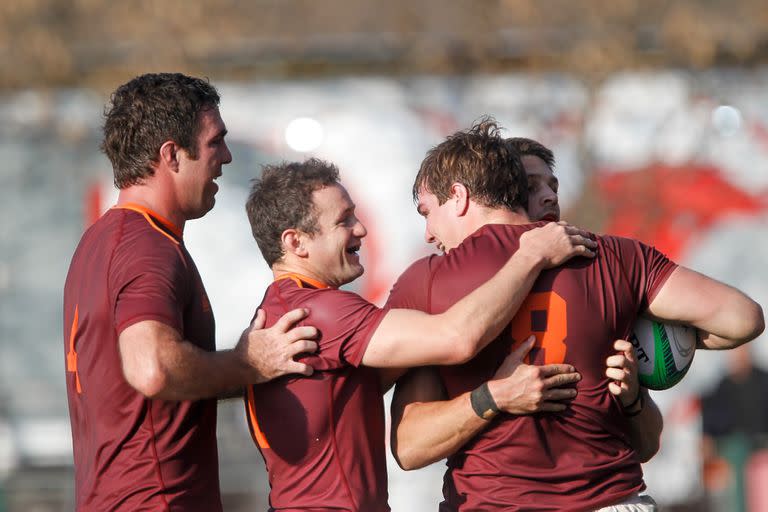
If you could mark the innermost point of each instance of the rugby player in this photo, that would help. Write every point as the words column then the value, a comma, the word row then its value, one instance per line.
column 583, row 458
column 143, row 372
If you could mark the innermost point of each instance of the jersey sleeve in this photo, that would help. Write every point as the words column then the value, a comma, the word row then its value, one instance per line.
column 646, row 267
column 346, row 323
column 411, row 290
column 148, row 283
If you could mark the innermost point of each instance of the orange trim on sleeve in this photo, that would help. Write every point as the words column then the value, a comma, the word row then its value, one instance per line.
column 72, row 355
column 299, row 279
column 258, row 435
column 151, row 216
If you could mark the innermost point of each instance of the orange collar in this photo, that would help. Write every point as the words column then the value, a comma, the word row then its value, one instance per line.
column 301, row 279
column 147, row 212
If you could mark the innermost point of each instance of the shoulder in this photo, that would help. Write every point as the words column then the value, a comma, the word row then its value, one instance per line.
column 622, row 247
column 411, row 289
column 140, row 248
column 420, row 268
column 325, row 305
column 141, row 236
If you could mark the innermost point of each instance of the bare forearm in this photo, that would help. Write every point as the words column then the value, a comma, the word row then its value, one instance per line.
column 431, row 431
column 191, row 373
column 645, row 429
column 160, row 364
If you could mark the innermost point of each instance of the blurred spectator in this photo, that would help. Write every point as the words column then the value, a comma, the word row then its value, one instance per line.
column 735, row 427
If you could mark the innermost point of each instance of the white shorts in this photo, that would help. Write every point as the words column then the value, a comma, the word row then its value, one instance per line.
column 633, row 503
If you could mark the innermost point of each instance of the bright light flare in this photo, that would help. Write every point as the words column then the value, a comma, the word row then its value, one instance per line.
column 304, row 134
column 726, row 120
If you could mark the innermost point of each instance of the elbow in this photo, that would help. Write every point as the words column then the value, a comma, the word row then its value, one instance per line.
column 758, row 320
column 459, row 342
column 649, row 449
column 753, row 322
column 408, row 460
column 408, row 455
column 646, row 455
column 462, row 346
column 649, row 442
column 151, row 382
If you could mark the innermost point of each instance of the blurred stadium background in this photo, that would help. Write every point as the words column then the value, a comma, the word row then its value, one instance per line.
column 657, row 112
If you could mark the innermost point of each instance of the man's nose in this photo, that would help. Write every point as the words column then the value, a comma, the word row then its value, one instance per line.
column 550, row 197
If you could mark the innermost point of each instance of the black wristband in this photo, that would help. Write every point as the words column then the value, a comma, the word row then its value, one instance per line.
column 482, row 402
column 640, row 399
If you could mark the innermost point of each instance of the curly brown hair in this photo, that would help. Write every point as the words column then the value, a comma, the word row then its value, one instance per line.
column 481, row 160
column 282, row 199
column 146, row 112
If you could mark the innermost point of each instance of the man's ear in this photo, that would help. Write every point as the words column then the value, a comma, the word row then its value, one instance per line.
column 293, row 242
column 169, row 155
column 460, row 196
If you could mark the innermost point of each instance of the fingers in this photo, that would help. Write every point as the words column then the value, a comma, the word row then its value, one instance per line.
column 555, row 369
column 626, row 348
column 307, row 332
column 616, row 374
column 622, row 346
column 560, row 394
column 270, row 352
column 525, row 347
column 563, row 379
column 616, row 361
column 299, row 368
column 573, row 230
column 300, row 347
column 289, row 319
column 625, row 360
column 260, row 320
column 615, row 389
column 584, row 246
column 581, row 241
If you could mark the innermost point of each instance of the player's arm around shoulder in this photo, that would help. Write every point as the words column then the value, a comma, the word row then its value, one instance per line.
column 728, row 314
column 160, row 364
column 407, row 338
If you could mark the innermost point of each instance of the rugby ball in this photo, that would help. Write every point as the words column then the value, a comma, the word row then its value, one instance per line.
column 664, row 352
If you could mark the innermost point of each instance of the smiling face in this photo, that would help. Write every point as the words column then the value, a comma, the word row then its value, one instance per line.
column 542, row 190
column 332, row 251
column 442, row 226
column 197, row 190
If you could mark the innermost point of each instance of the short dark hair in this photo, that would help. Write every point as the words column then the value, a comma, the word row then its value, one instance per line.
column 530, row 147
column 481, row 160
column 282, row 199
column 145, row 113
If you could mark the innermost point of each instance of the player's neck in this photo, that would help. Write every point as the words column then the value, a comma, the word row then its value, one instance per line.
column 153, row 199
column 486, row 215
column 289, row 267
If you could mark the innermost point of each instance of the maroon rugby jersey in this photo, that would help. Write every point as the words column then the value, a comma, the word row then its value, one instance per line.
column 322, row 437
column 132, row 453
column 576, row 460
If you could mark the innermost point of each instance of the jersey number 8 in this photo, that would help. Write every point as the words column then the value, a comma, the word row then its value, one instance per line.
column 545, row 315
